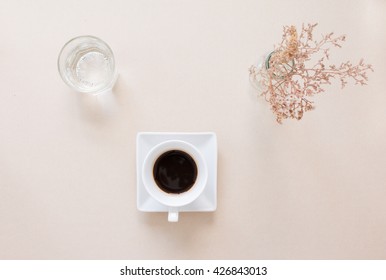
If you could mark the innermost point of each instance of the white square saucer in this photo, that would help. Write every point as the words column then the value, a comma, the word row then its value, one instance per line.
column 206, row 143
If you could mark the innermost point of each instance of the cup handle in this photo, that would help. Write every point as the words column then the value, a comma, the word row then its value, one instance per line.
column 173, row 215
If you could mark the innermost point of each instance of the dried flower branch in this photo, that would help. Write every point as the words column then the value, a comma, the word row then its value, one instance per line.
column 286, row 79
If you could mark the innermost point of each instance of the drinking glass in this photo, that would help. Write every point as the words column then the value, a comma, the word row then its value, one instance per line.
column 86, row 64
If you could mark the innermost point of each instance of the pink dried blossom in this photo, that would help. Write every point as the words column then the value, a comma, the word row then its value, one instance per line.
column 296, row 70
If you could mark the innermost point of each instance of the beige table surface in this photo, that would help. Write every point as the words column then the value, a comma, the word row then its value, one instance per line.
column 314, row 189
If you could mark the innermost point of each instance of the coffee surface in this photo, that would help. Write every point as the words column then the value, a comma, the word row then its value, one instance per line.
column 175, row 171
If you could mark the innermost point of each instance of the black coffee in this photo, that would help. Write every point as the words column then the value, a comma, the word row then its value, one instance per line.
column 175, row 171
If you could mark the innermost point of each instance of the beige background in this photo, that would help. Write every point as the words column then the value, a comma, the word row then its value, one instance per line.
column 311, row 189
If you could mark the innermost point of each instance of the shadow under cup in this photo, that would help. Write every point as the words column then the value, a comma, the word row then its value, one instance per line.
column 175, row 174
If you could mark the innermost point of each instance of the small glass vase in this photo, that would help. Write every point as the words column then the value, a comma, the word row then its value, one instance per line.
column 260, row 76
